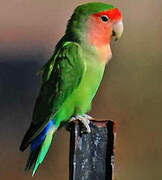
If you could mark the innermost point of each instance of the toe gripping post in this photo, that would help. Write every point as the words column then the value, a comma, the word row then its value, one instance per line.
column 92, row 154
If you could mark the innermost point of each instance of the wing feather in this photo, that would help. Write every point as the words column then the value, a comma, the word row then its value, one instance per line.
column 61, row 75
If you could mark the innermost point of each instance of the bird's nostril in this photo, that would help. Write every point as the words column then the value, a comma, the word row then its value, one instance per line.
column 113, row 33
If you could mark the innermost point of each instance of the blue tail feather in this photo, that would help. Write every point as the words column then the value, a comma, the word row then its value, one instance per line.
column 40, row 145
column 40, row 138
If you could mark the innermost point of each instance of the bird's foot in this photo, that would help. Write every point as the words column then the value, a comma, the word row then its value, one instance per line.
column 85, row 120
column 86, row 116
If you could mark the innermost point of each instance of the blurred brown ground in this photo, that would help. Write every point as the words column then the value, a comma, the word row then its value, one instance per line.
column 131, row 91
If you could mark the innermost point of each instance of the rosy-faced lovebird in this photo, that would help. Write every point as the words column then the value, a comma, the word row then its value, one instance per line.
column 71, row 77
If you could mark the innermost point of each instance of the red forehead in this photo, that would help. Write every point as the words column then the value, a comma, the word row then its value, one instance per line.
column 113, row 14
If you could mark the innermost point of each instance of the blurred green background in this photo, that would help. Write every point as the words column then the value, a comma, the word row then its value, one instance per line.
column 131, row 91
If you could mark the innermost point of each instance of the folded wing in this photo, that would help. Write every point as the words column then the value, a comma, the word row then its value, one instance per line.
column 61, row 75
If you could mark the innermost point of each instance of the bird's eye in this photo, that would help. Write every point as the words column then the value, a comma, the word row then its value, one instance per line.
column 104, row 18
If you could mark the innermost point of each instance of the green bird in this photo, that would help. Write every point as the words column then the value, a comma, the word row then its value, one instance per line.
column 71, row 77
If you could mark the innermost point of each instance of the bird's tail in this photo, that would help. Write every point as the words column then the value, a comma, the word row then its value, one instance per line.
column 40, row 146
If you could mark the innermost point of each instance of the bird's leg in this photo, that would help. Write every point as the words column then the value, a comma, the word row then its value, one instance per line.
column 84, row 120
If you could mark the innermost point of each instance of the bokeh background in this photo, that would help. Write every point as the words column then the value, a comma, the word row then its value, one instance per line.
column 131, row 90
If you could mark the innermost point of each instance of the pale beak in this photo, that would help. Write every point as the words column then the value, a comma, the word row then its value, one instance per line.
column 118, row 30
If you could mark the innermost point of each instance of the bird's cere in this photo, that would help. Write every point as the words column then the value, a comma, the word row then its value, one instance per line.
column 118, row 30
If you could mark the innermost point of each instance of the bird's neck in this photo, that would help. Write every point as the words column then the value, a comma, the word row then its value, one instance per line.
column 100, row 53
column 91, row 39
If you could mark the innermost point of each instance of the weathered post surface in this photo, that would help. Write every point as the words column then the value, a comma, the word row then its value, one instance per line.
column 92, row 155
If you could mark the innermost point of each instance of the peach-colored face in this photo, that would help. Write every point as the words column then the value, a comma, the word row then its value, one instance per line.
column 101, row 26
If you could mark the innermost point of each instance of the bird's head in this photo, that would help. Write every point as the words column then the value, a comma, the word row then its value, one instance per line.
column 104, row 25
column 96, row 22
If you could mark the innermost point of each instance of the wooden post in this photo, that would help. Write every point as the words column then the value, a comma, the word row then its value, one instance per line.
column 92, row 155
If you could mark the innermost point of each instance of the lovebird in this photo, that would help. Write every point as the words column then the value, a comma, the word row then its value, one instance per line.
column 71, row 77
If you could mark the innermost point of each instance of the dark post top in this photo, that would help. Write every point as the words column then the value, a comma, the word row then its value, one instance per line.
column 92, row 155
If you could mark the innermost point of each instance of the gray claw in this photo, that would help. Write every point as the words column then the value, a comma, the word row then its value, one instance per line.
column 87, row 116
column 84, row 120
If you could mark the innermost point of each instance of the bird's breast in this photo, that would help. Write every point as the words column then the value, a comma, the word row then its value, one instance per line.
column 90, row 81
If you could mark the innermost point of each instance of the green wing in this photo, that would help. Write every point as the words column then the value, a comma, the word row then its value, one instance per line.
column 61, row 75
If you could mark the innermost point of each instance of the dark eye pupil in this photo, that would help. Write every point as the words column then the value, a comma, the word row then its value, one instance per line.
column 104, row 18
